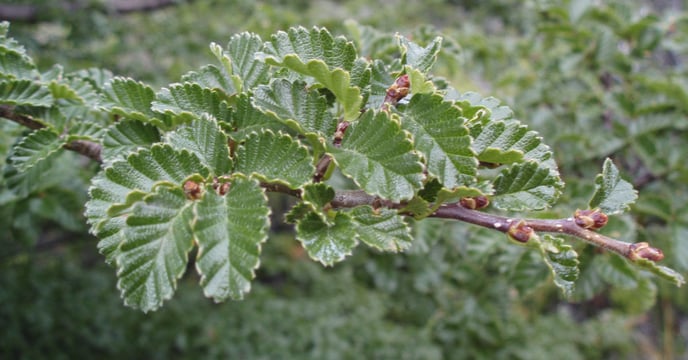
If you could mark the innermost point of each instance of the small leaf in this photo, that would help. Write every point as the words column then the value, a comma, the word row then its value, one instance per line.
column 246, row 119
column 612, row 195
column 661, row 271
column 297, row 106
column 24, row 92
column 129, row 98
column 525, row 186
column 190, row 101
column 317, row 54
column 382, row 229
column 156, row 248
column 439, row 133
column 229, row 230
column 36, row 147
column 562, row 261
column 275, row 158
column 247, row 71
column 210, row 77
column 377, row 155
column 317, row 195
column 126, row 137
column 204, row 138
column 324, row 242
column 418, row 57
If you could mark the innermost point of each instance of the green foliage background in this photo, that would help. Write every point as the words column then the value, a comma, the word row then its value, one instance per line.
column 594, row 80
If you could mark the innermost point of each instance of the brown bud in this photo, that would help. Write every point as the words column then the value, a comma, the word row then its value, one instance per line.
column 643, row 250
column 475, row 202
column 339, row 133
column 192, row 190
column 590, row 219
column 223, row 189
column 520, row 231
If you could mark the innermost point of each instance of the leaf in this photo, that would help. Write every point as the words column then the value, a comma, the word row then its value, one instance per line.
column 612, row 195
column 210, row 77
column 317, row 54
column 562, row 260
column 247, row 71
column 15, row 65
column 327, row 243
column 380, row 80
column 661, row 271
column 75, row 90
column 246, row 119
column 229, row 230
column 382, row 229
column 418, row 57
column 317, row 196
column 129, row 98
column 439, row 133
column 190, row 101
column 155, row 251
column 297, row 106
column 503, row 142
column 24, row 92
column 204, row 138
column 126, row 137
column 36, row 147
column 525, row 186
column 275, row 158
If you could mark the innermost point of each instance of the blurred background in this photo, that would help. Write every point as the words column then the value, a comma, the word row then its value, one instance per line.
column 597, row 79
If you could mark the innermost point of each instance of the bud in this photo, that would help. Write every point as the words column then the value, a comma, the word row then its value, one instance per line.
column 475, row 202
column 192, row 190
column 520, row 231
column 339, row 133
column 643, row 250
column 590, row 219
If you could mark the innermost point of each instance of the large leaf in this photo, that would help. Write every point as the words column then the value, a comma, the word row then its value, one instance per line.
column 525, row 186
column 190, row 101
column 24, row 92
column 382, row 229
column 204, row 138
column 155, row 251
column 129, row 98
column 247, row 71
column 317, row 54
column 612, row 193
column 299, row 107
column 327, row 243
column 439, row 133
column 275, row 158
column 36, row 147
column 229, row 230
column 378, row 156
column 126, row 137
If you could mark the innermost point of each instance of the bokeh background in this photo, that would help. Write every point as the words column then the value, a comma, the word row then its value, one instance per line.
column 597, row 79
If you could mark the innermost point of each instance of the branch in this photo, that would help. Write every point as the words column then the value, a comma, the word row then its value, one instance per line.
column 87, row 148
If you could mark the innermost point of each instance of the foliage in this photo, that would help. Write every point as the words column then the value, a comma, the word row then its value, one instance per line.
column 624, row 102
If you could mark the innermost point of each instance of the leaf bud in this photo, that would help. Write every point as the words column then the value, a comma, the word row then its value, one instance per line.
column 590, row 219
column 192, row 190
column 339, row 133
column 520, row 232
column 643, row 250
column 475, row 202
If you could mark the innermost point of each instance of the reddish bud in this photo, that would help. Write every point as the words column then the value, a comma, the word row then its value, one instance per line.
column 192, row 190
column 475, row 202
column 520, row 231
column 339, row 133
column 590, row 219
column 220, row 187
column 643, row 250
column 397, row 91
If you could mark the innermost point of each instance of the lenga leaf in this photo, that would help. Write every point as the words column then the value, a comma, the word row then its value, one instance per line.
column 613, row 194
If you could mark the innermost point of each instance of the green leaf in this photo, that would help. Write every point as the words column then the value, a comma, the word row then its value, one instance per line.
column 418, row 57
column 378, row 156
column 75, row 90
column 317, row 195
column 299, row 107
column 382, row 229
column 210, row 77
column 36, row 147
column 562, row 260
column 439, row 133
column 503, row 142
column 16, row 65
column 613, row 194
column 247, row 71
column 275, row 158
column 525, row 186
column 327, row 243
column 129, row 98
column 661, row 271
column 204, row 138
column 317, row 54
column 229, row 230
column 155, row 251
column 190, row 101
column 126, row 137
column 24, row 92
column 246, row 119
column 380, row 80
